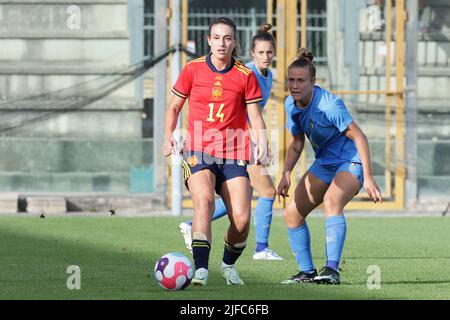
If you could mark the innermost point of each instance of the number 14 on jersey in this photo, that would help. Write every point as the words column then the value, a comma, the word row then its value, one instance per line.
column 219, row 114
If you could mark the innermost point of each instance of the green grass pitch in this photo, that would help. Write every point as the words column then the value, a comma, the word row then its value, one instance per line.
column 117, row 254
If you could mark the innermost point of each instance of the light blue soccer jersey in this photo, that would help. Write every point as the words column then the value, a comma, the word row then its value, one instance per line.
column 323, row 121
column 265, row 83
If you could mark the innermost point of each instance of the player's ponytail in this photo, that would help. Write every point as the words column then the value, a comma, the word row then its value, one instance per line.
column 263, row 35
column 304, row 59
column 265, row 27
column 305, row 54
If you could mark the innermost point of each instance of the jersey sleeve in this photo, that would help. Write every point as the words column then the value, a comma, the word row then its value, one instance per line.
column 265, row 84
column 252, row 90
column 339, row 115
column 291, row 125
column 182, row 87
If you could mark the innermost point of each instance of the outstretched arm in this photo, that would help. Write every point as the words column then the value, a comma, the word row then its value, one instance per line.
column 355, row 133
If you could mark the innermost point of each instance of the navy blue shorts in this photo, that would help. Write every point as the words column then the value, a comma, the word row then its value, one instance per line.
column 223, row 169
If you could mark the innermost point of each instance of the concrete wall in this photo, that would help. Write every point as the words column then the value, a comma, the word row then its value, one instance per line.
column 42, row 52
column 70, row 109
column 75, row 165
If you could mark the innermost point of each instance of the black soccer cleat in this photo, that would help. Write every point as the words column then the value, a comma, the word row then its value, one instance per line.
column 301, row 277
column 327, row 275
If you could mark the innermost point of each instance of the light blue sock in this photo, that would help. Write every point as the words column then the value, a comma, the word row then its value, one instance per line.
column 263, row 220
column 336, row 229
column 300, row 242
column 219, row 212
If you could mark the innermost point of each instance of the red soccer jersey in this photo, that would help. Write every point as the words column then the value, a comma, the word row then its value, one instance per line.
column 217, row 117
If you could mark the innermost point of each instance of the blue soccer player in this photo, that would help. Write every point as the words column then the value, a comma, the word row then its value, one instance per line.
column 341, row 167
column 262, row 52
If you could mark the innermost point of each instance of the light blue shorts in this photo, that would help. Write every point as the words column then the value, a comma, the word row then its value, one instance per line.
column 328, row 172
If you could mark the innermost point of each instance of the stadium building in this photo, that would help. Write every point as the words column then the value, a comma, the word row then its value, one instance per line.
column 82, row 91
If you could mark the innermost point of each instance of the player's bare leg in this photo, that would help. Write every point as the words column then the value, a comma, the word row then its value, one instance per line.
column 236, row 194
column 201, row 187
column 308, row 194
column 341, row 191
column 261, row 182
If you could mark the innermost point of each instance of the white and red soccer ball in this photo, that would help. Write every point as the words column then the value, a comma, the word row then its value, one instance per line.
column 174, row 271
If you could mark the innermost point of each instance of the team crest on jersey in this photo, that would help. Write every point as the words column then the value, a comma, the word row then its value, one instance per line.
column 192, row 161
column 217, row 93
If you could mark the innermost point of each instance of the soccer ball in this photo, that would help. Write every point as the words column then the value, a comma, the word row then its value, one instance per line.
column 174, row 271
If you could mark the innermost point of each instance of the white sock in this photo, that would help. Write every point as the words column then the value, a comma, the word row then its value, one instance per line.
column 203, row 269
column 224, row 265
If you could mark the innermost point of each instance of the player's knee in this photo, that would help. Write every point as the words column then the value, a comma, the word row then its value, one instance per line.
column 241, row 222
column 205, row 205
column 292, row 218
column 270, row 193
column 331, row 204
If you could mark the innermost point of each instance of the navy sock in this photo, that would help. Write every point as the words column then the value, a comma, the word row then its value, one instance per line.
column 231, row 253
column 200, row 252
column 260, row 246
column 333, row 265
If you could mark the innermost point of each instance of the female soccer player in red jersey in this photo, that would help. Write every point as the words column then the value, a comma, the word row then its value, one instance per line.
column 262, row 52
column 222, row 93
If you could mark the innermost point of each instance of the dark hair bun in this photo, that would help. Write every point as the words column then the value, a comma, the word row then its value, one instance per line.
column 264, row 28
column 305, row 54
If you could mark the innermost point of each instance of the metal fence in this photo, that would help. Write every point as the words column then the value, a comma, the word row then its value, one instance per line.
column 247, row 22
column 316, row 32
